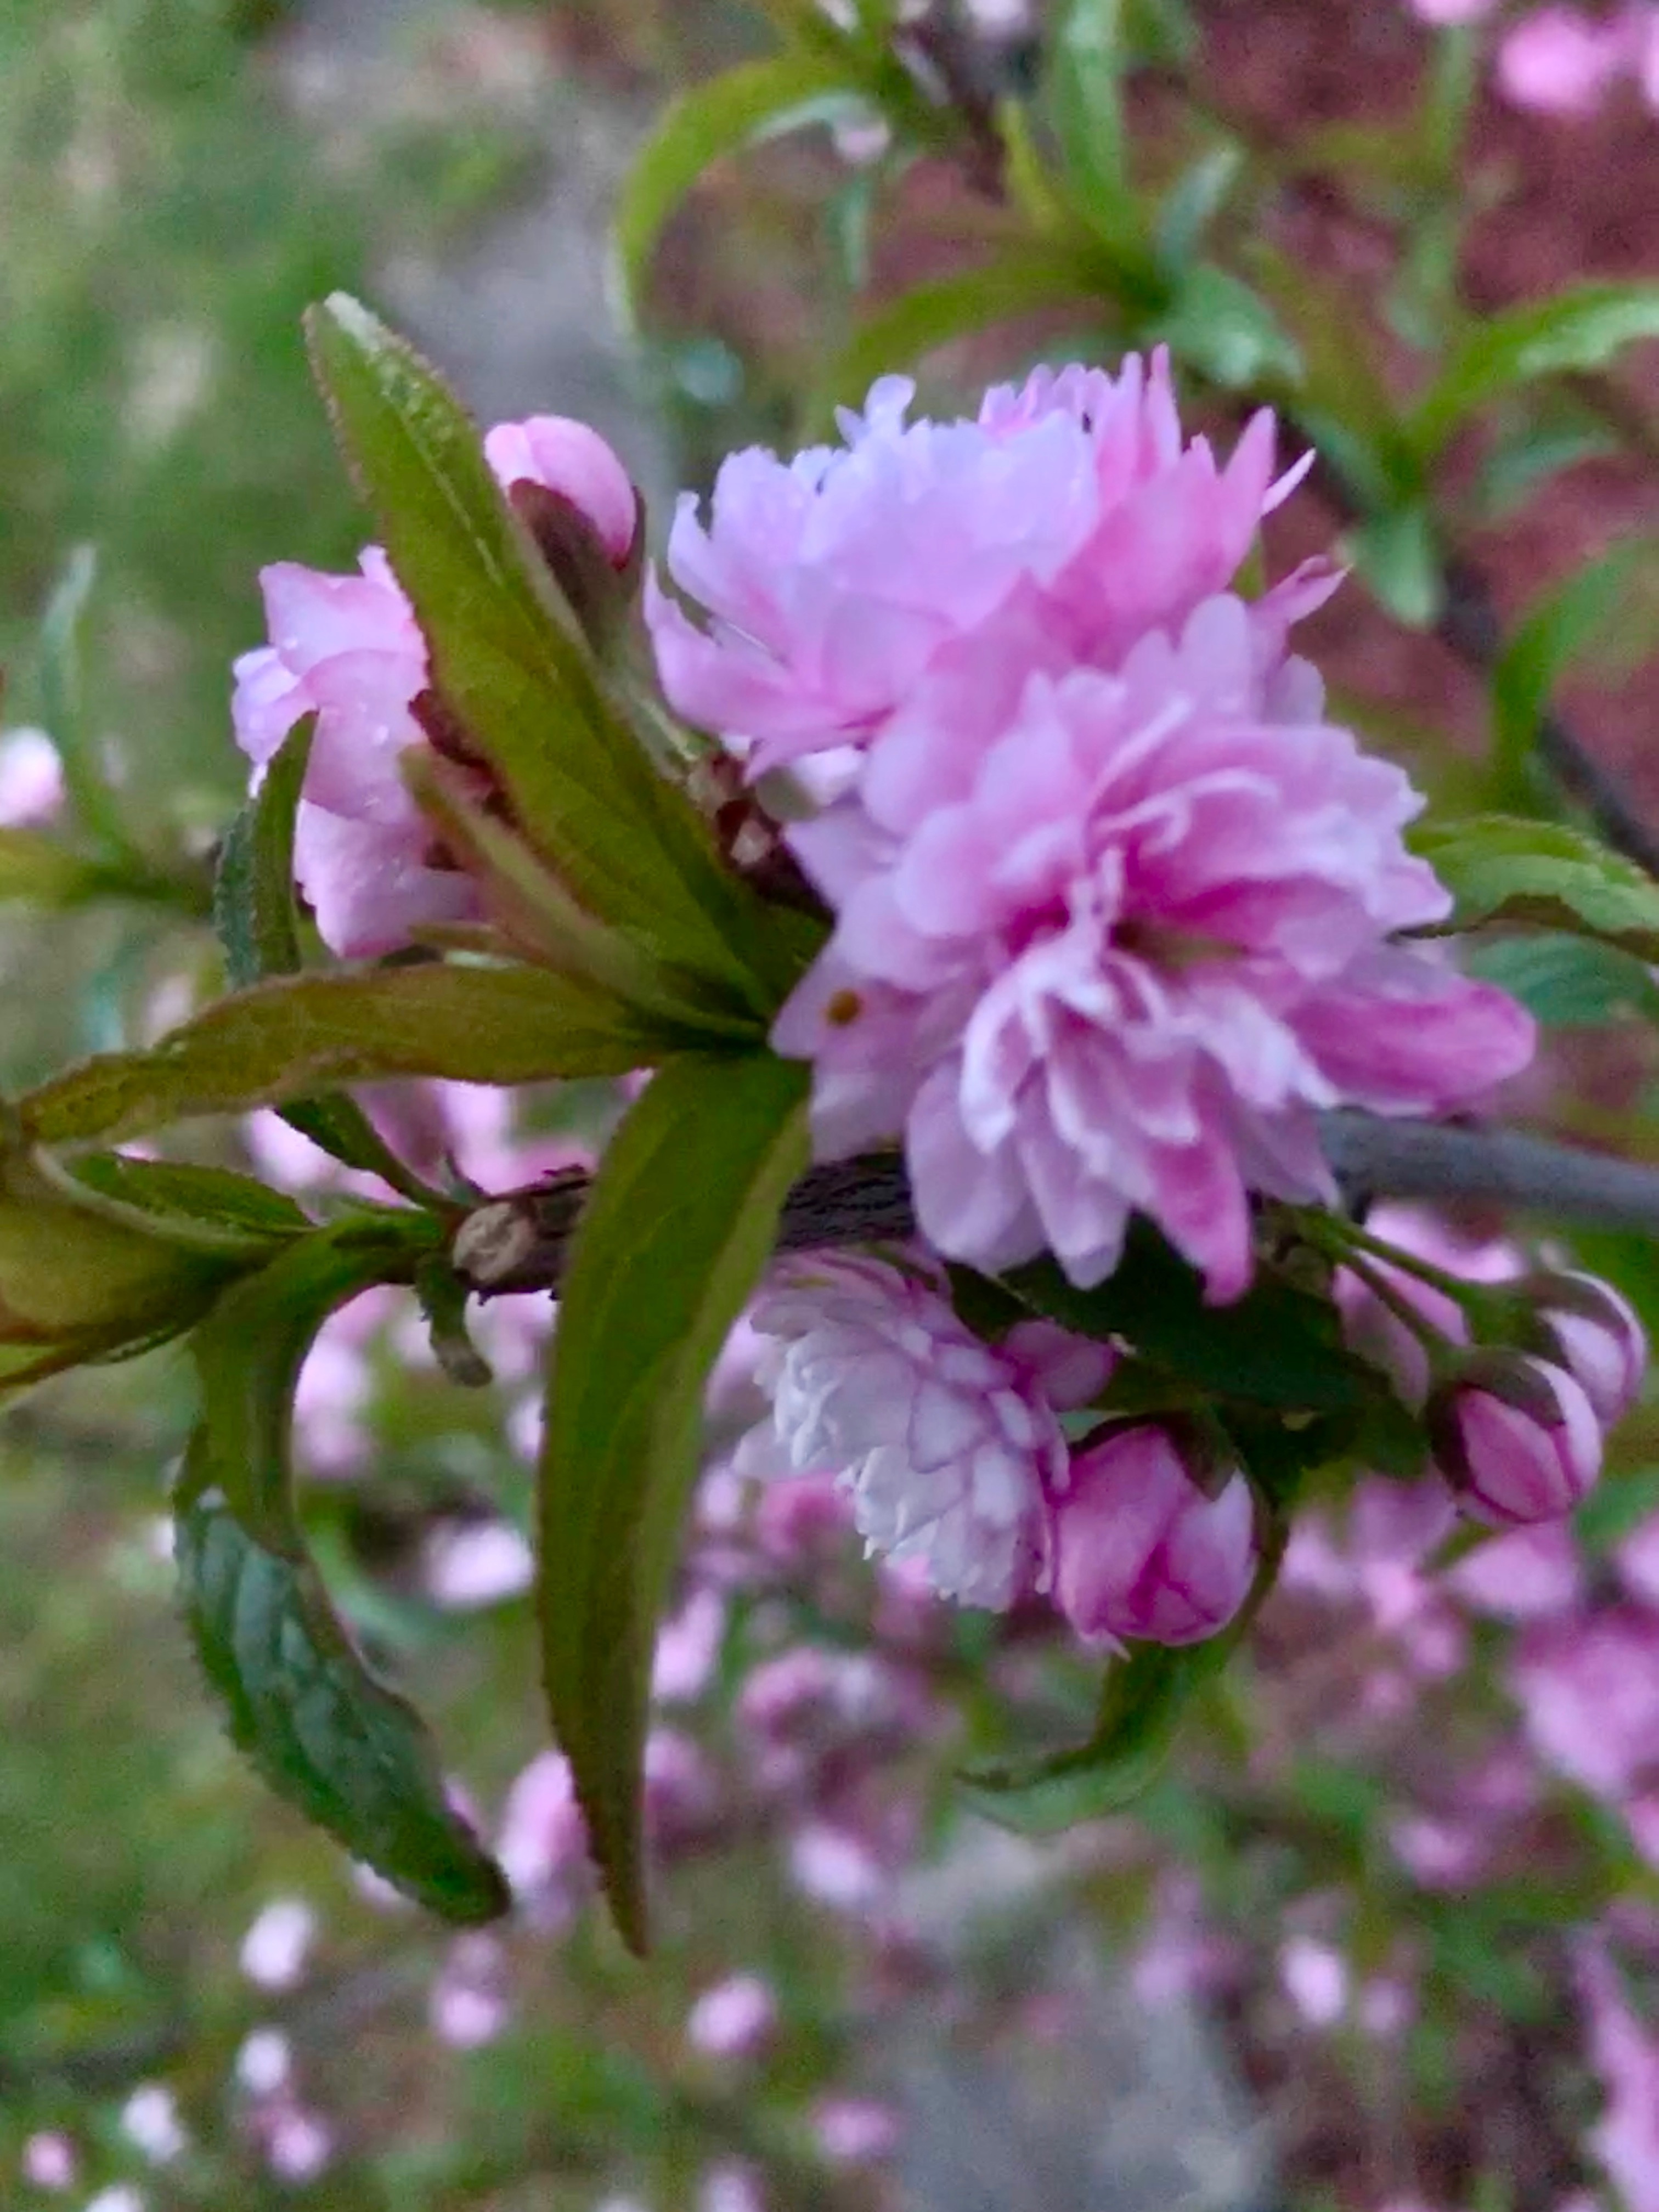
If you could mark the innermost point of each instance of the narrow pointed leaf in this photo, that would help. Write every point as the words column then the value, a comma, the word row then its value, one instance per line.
column 1501, row 868
column 1578, row 330
column 285, row 1038
column 672, row 1238
column 716, row 118
column 302, row 1704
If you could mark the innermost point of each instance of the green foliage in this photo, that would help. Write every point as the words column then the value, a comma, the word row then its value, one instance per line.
column 302, row 1704
column 757, row 98
column 1542, row 646
column 1500, row 868
column 1584, row 328
column 1084, row 98
column 285, row 1038
column 508, row 658
column 670, row 1246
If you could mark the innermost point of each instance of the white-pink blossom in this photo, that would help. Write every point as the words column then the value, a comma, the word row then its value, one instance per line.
column 947, row 1445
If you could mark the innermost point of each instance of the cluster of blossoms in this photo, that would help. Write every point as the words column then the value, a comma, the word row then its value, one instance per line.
column 1116, row 914
column 1565, row 60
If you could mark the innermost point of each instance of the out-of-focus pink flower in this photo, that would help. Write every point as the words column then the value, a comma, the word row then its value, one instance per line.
column 331, row 1403
column 1518, row 1441
column 1140, row 1551
column 730, row 2186
column 1442, row 12
column 1637, row 1561
column 733, row 2019
column 277, row 1947
column 1116, row 957
column 347, row 649
column 298, row 2144
column 1589, row 1691
column 32, row 786
column 123, row 2197
column 571, row 458
column 265, row 2062
column 1626, row 2050
column 1440, row 1854
column 944, row 1442
column 688, row 1648
column 480, row 1565
column 469, row 2006
column 1595, row 1334
column 150, row 2121
column 542, row 1841
column 855, row 2130
column 1315, row 1979
column 682, row 1790
column 1531, row 1574
column 835, row 1868
column 49, row 2161
column 1560, row 61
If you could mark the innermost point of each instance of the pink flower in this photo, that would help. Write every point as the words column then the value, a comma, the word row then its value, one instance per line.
column 1315, row 1979
column 733, row 2019
column 855, row 2130
column 1530, row 1574
column 1594, row 1332
column 1441, row 12
column 277, row 1947
column 469, row 2006
column 1561, row 62
column 1118, row 954
column 1518, row 1440
column 542, row 1843
column 49, row 2161
column 571, row 458
column 1589, row 1690
column 31, row 779
column 1626, row 2053
column 347, row 649
column 1140, row 1551
column 944, row 1442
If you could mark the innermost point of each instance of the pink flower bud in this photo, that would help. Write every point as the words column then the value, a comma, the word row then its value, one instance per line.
column 1594, row 1333
column 571, row 458
column 1140, row 1551
column 1517, row 1438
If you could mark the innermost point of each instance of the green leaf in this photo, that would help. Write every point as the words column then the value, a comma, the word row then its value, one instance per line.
column 1501, row 868
column 1396, row 554
column 1566, row 982
column 1553, row 634
column 1278, row 1346
column 1144, row 1700
column 1226, row 331
column 698, row 126
column 213, row 1198
column 284, row 1038
column 302, row 1704
column 509, row 661
column 1083, row 93
column 675, row 1233
column 253, row 887
column 1578, row 330
column 37, row 868
column 258, row 933
column 1038, row 278
column 1192, row 202
column 63, row 707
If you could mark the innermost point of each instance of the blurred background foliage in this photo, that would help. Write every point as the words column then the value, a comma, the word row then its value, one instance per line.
column 178, row 178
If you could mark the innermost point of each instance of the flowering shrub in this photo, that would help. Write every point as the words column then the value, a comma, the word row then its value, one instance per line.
column 990, row 985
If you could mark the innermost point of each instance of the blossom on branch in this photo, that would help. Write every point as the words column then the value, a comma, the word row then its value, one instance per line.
column 349, row 650
column 1118, row 911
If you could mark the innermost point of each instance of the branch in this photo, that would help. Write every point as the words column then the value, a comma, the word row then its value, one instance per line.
column 518, row 1242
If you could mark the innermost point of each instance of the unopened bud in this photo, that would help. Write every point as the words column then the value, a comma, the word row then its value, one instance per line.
column 1152, row 1541
column 573, row 462
column 1516, row 1437
column 1591, row 1329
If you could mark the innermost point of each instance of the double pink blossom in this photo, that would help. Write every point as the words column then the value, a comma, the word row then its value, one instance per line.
column 1117, row 910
